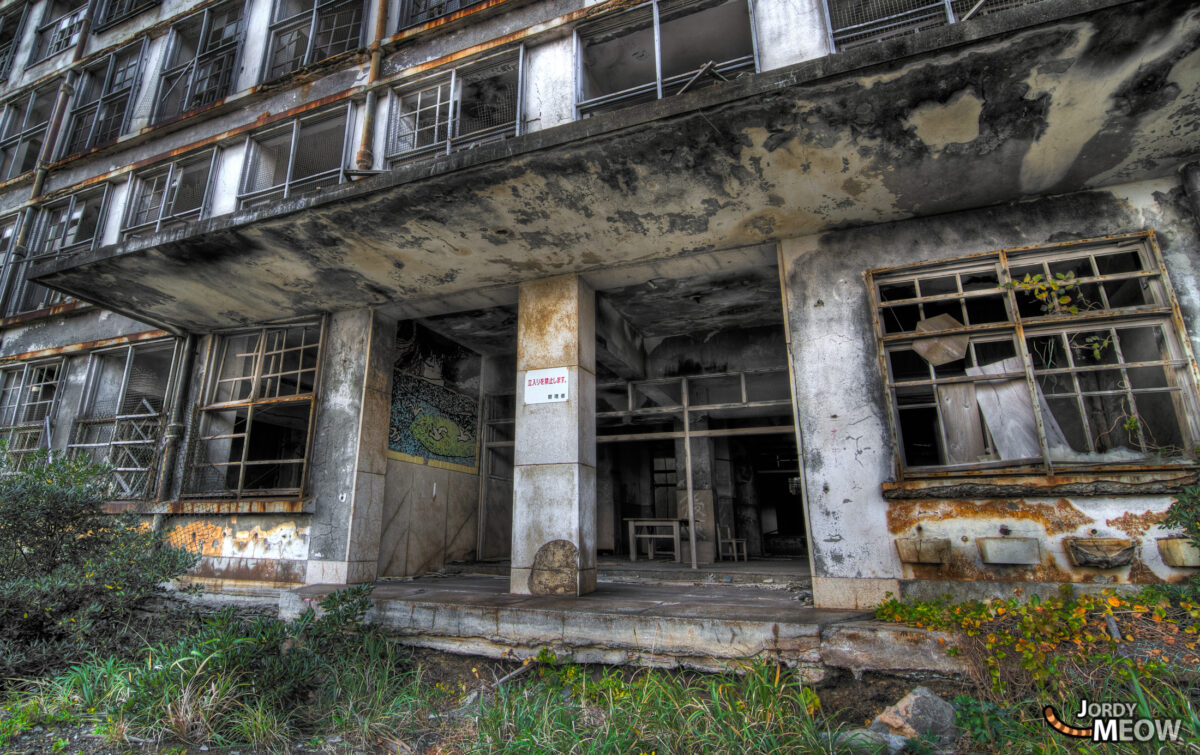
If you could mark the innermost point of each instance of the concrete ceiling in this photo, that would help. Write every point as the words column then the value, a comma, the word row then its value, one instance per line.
column 876, row 134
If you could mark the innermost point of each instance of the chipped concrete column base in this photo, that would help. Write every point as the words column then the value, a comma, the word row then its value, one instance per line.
column 339, row 572
column 839, row 592
column 554, row 455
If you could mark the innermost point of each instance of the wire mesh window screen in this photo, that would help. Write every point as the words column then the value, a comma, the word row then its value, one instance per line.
column 857, row 22
column 254, row 434
column 488, row 98
column 319, row 157
column 1065, row 357
column 422, row 118
column 414, row 12
column 306, row 154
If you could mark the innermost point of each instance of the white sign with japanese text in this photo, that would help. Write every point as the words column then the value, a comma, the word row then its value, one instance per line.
column 546, row 386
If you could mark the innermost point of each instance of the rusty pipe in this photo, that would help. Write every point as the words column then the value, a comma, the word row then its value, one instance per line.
column 173, row 436
column 365, row 158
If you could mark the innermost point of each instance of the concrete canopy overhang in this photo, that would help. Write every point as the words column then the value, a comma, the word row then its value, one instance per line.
column 1057, row 97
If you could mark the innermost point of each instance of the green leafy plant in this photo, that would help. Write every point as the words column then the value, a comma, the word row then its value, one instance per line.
column 1184, row 514
column 1058, row 294
column 70, row 573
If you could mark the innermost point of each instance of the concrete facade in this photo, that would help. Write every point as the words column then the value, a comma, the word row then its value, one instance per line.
column 314, row 297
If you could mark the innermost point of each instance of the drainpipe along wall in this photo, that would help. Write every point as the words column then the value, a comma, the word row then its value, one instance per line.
column 365, row 159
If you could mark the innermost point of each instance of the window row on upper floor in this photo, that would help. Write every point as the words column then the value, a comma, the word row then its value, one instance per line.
column 653, row 50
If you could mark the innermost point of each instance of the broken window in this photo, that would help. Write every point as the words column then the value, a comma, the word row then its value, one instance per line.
column 1067, row 356
column 122, row 414
column 24, row 130
column 104, row 99
column 304, row 31
column 28, row 397
column 111, row 12
column 414, row 12
column 469, row 105
column 10, row 35
column 660, row 49
column 253, row 435
column 301, row 155
column 61, row 24
column 201, row 62
column 858, row 22
column 66, row 225
column 168, row 196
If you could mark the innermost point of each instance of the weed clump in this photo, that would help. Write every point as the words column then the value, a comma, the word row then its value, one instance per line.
column 70, row 574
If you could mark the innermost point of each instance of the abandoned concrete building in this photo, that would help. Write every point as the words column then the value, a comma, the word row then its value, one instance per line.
column 902, row 295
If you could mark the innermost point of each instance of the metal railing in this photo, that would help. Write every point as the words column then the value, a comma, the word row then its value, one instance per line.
column 859, row 22
column 129, row 443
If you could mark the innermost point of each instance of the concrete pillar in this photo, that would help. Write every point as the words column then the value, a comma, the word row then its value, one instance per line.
column 349, row 457
column 554, row 475
column 702, row 491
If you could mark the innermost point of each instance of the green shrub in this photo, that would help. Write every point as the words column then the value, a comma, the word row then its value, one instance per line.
column 70, row 574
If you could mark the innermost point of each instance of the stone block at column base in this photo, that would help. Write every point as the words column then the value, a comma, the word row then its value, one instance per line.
column 340, row 572
column 862, row 593
column 531, row 581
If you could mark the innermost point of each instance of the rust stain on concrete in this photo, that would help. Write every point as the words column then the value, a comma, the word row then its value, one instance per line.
column 1136, row 525
column 1058, row 517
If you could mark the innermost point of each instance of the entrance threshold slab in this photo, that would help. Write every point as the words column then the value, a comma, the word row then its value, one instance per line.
column 766, row 572
column 710, row 628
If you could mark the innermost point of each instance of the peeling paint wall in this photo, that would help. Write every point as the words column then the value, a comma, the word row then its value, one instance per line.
column 848, row 450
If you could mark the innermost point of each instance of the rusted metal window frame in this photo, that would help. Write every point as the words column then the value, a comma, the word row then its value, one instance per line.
column 107, row 96
column 40, row 241
column 26, row 131
column 416, row 12
column 11, row 427
column 290, row 185
column 451, row 81
column 110, row 14
column 1018, row 329
column 208, row 405
column 166, row 216
column 14, row 18
column 929, row 15
column 661, row 87
column 284, row 25
column 51, row 41
column 204, row 56
column 148, row 425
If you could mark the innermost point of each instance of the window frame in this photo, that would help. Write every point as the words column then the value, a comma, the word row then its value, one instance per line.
column 1019, row 329
column 70, row 22
column 26, row 132
column 451, row 80
column 10, row 427
column 209, row 405
column 22, row 288
column 660, row 87
column 169, row 171
column 290, row 185
column 106, row 97
column 105, row 17
column 127, row 430
column 191, row 68
column 20, row 12
column 281, row 26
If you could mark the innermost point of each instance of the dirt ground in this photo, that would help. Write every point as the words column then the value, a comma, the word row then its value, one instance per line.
column 848, row 701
